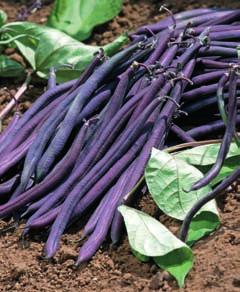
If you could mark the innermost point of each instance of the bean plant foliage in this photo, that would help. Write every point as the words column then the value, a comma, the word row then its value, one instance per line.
column 8, row 67
column 77, row 18
column 169, row 177
column 45, row 47
column 150, row 238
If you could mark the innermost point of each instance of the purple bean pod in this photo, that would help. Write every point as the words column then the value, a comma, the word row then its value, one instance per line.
column 7, row 186
column 10, row 127
column 181, row 134
column 228, row 135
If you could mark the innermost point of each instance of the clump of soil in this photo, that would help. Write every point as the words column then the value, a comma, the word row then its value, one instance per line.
column 22, row 266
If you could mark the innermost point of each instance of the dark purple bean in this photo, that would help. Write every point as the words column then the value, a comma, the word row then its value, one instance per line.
column 227, row 18
column 207, row 78
column 214, row 64
column 220, row 97
column 203, row 103
column 181, row 134
column 7, row 186
column 215, row 28
column 210, row 128
column 10, row 127
column 117, row 99
column 15, row 156
column 218, row 51
column 201, row 92
column 92, row 222
column 225, row 44
column 46, row 219
column 36, row 205
column 225, row 36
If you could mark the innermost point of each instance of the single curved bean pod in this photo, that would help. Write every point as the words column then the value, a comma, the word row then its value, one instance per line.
column 15, row 156
column 218, row 51
column 181, row 134
column 201, row 91
column 7, row 186
column 210, row 128
column 207, row 78
column 228, row 135
column 92, row 222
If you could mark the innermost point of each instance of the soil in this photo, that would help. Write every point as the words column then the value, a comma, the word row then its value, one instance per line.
column 22, row 267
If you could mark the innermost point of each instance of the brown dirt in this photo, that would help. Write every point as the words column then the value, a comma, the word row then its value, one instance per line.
column 217, row 258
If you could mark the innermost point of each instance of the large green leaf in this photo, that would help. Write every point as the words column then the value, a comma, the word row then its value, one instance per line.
column 10, row 68
column 150, row 238
column 168, row 178
column 206, row 154
column 77, row 18
column 45, row 47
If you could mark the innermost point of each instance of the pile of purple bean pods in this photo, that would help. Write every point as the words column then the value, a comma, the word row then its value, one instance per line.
column 83, row 145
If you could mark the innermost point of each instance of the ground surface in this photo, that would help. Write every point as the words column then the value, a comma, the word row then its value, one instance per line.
column 217, row 258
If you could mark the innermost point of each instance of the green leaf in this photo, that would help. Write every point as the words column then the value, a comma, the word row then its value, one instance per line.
column 150, row 238
column 77, row 18
column 167, row 178
column 10, row 68
column 45, row 47
column 206, row 154
column 3, row 17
